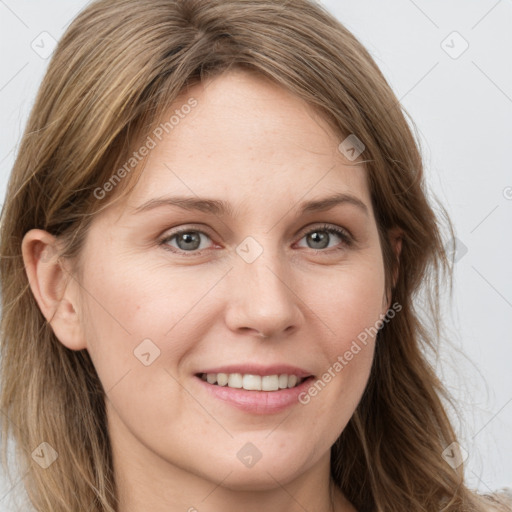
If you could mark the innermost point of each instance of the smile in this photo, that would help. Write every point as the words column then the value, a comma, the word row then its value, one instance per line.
column 252, row 382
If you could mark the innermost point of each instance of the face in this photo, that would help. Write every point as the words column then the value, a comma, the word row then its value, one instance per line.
column 172, row 295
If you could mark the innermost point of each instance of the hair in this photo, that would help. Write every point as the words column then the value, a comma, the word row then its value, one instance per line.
column 115, row 72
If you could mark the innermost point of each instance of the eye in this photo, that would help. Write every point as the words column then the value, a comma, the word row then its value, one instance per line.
column 189, row 240
column 320, row 237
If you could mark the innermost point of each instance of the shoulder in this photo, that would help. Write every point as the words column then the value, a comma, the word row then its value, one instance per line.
column 500, row 501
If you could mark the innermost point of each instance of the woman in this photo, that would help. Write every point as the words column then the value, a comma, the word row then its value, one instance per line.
column 214, row 231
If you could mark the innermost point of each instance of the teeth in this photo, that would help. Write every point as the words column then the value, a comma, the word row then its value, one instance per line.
column 253, row 382
column 222, row 379
column 235, row 380
column 270, row 383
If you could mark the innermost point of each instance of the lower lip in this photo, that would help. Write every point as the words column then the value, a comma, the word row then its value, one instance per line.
column 258, row 402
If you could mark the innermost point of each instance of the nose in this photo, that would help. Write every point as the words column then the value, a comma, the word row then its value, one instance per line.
column 261, row 299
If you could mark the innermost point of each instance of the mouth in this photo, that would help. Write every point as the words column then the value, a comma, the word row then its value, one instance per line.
column 255, row 388
column 251, row 382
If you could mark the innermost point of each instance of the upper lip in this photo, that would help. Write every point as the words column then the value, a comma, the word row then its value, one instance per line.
column 255, row 369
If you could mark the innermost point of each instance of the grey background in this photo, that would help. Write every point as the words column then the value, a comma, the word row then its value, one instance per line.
column 462, row 106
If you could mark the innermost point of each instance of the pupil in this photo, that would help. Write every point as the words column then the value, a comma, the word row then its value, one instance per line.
column 190, row 238
column 318, row 237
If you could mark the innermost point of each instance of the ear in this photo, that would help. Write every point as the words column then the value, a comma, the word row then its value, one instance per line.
column 53, row 287
column 395, row 235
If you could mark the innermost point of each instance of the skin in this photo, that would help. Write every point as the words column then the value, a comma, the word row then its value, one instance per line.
column 264, row 151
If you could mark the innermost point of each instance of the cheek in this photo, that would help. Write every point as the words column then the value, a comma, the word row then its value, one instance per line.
column 140, row 324
column 128, row 302
column 350, row 300
column 350, row 308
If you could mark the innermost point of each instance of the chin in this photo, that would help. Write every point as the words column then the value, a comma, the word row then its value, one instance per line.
column 252, row 480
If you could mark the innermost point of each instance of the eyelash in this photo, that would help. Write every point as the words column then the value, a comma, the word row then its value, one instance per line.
column 346, row 238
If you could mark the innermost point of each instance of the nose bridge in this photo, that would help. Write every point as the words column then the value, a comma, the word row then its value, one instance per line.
column 261, row 293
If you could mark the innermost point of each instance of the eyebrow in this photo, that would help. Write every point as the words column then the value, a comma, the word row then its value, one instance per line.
column 220, row 207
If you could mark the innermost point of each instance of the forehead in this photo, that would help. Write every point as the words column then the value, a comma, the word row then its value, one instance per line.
column 248, row 141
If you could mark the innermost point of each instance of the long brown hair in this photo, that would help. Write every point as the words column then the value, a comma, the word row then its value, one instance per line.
column 115, row 71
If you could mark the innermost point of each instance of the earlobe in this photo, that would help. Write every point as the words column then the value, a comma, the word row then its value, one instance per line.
column 52, row 287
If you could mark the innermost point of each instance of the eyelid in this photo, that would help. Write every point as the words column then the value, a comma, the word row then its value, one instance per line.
column 187, row 227
column 328, row 227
